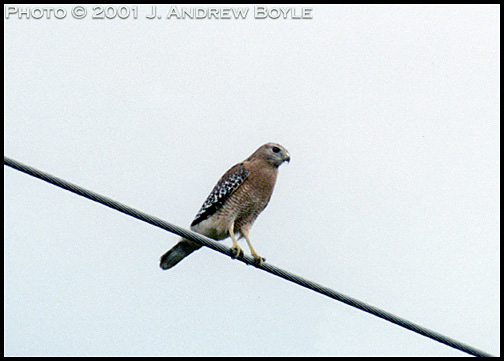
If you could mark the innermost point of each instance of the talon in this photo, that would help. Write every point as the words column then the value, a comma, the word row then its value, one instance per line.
column 238, row 252
column 258, row 260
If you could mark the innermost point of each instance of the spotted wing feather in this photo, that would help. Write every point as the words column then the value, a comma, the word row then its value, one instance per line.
column 226, row 186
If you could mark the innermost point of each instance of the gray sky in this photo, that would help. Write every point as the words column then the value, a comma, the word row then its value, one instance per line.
column 391, row 116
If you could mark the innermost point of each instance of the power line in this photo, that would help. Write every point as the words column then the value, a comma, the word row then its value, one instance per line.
column 219, row 247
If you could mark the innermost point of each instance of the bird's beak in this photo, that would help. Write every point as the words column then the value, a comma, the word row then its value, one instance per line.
column 287, row 157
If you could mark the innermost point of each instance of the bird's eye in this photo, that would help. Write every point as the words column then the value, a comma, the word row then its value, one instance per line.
column 276, row 149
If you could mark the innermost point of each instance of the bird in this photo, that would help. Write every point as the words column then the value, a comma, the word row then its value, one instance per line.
column 233, row 205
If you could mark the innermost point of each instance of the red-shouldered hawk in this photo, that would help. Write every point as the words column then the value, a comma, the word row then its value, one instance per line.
column 234, row 203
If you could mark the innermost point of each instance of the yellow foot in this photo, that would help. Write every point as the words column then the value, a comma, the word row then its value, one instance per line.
column 238, row 252
column 258, row 260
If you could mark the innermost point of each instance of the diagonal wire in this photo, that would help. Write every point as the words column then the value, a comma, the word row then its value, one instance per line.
column 246, row 259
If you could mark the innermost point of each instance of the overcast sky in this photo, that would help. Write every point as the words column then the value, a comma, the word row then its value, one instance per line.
column 391, row 117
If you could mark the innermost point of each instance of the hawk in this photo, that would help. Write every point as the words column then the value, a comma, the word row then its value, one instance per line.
column 234, row 203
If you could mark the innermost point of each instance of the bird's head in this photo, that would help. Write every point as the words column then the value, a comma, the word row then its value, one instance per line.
column 273, row 153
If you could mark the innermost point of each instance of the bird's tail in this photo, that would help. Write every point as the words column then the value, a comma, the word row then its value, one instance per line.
column 180, row 251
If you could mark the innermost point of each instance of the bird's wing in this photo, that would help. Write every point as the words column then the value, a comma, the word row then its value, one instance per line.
column 226, row 186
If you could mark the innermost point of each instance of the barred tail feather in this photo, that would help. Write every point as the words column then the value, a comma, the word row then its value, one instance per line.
column 181, row 250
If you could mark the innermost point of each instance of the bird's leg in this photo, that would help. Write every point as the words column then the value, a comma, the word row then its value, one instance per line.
column 235, row 248
column 258, row 259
